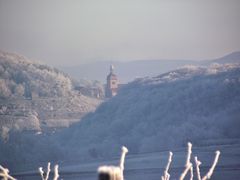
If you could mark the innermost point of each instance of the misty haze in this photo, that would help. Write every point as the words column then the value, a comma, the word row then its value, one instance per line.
column 114, row 90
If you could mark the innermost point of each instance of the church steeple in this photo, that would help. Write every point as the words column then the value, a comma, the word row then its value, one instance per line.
column 112, row 83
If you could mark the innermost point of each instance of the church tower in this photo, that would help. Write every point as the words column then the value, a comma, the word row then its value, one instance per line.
column 112, row 83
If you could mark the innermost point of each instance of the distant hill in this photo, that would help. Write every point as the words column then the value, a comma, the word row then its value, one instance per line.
column 230, row 58
column 193, row 103
column 35, row 97
column 128, row 71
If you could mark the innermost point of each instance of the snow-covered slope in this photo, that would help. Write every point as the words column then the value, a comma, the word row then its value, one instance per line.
column 35, row 96
column 192, row 103
column 20, row 75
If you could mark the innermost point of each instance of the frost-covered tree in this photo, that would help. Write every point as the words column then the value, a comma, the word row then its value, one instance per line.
column 4, row 90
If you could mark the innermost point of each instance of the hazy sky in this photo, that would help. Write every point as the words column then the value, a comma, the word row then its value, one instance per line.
column 69, row 32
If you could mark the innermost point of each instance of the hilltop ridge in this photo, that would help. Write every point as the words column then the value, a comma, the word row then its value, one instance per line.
column 130, row 70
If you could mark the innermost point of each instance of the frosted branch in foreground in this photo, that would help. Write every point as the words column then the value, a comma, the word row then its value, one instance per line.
column 198, row 163
column 48, row 170
column 41, row 173
column 210, row 172
column 47, row 173
column 166, row 174
column 56, row 175
column 5, row 174
column 191, row 171
column 188, row 164
column 189, row 154
column 124, row 152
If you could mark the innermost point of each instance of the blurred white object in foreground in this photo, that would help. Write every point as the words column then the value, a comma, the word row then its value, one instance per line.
column 113, row 172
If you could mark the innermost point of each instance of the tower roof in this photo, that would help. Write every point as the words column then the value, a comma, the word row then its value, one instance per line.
column 111, row 75
column 111, row 68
